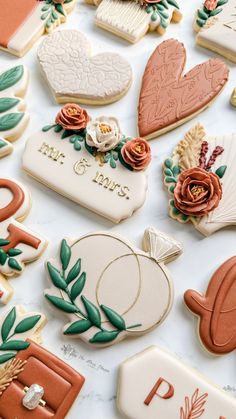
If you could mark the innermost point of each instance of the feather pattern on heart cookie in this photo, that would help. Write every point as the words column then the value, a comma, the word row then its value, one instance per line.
column 168, row 98
column 75, row 75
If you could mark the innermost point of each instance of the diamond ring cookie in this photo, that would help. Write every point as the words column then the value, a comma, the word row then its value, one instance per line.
column 216, row 310
column 75, row 75
column 18, row 244
column 29, row 374
column 90, row 162
column 154, row 384
column 169, row 98
column 13, row 118
column 131, row 20
column 200, row 181
column 23, row 22
column 215, row 25
column 122, row 292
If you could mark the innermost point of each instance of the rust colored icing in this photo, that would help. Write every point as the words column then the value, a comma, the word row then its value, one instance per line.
column 217, row 309
column 17, row 200
column 17, row 235
column 13, row 13
column 61, row 385
column 167, row 96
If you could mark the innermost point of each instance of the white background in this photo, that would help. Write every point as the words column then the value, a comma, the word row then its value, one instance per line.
column 56, row 218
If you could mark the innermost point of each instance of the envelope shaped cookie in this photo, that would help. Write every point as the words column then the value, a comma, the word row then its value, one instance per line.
column 168, row 97
column 153, row 384
column 122, row 292
column 91, row 162
column 18, row 244
column 216, row 310
column 200, row 181
column 131, row 20
column 215, row 24
column 23, row 22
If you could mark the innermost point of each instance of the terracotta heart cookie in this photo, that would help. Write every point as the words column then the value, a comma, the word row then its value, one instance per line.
column 216, row 310
column 168, row 98
column 75, row 75
column 13, row 118
column 122, row 292
column 155, row 385
column 216, row 26
column 23, row 22
column 131, row 20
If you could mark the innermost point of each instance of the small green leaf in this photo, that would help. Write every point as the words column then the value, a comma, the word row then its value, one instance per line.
column 176, row 211
column 92, row 311
column 60, row 9
column 74, row 272
column 154, row 16
column 7, row 103
column 115, row 319
column 78, row 327
column 8, row 323
column 168, row 163
column 172, row 188
column 176, row 170
column 215, row 12
column 77, row 146
column 56, row 277
column 11, row 77
column 47, row 127
column 168, row 172
column 221, row 2
column 14, row 252
column 46, row 7
column 49, row 23
column 62, row 304
column 3, row 257
column 200, row 22
column 44, row 16
column 58, row 128
column 66, row 133
column 160, row 6
column 170, row 179
column 6, row 357
column 14, row 264
column 164, row 23
column 78, row 287
column 14, row 345
column 3, row 143
column 173, row 3
column 112, row 163
column 65, row 254
column 202, row 14
column 4, row 242
column 54, row 15
column 27, row 324
column 221, row 171
column 105, row 336
column 10, row 120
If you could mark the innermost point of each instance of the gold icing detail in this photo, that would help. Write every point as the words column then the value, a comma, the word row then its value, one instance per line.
column 52, row 153
column 105, row 128
column 111, row 185
column 197, row 190
column 209, row 23
column 188, row 150
column 10, row 372
column 81, row 166
column 233, row 98
column 72, row 111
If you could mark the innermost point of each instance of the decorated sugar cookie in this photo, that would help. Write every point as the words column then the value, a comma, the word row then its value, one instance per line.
column 131, row 20
column 75, row 75
column 233, row 98
column 168, row 97
column 13, row 118
column 29, row 373
column 200, row 181
column 90, row 162
column 122, row 292
column 18, row 244
column 215, row 24
column 153, row 384
column 23, row 22
column 216, row 310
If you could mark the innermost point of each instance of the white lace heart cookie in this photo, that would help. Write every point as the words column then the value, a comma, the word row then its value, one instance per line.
column 75, row 75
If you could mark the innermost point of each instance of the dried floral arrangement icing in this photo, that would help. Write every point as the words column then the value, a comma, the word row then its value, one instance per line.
column 159, row 9
column 101, row 137
column 194, row 188
column 53, row 12
column 209, row 9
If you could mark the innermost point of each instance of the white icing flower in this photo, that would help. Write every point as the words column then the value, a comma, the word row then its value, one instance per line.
column 103, row 133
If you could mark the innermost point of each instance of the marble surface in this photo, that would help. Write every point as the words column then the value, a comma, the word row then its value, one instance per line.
column 56, row 217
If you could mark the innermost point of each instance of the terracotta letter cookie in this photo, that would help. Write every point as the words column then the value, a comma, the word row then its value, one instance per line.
column 155, row 385
column 91, row 162
column 215, row 23
column 200, row 177
column 18, row 244
column 216, row 310
column 23, row 22
column 168, row 98
column 122, row 292
column 131, row 20
column 75, row 75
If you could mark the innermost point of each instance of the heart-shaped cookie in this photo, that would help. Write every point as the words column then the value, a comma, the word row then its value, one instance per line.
column 168, row 98
column 75, row 75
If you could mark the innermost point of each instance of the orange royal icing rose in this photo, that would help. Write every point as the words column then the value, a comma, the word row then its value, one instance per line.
column 210, row 4
column 137, row 153
column 72, row 117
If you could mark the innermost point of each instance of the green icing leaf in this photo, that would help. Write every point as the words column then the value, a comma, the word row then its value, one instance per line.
column 66, row 133
column 200, row 22
column 176, row 170
column 14, row 252
column 115, row 319
column 202, row 14
column 7, row 103
column 221, row 2
column 65, row 254
column 2, row 143
column 105, row 336
column 215, row 12
column 221, row 171
column 60, row 9
column 92, row 311
column 170, row 179
column 62, row 304
column 77, row 146
column 168, row 172
column 78, row 327
column 173, row 3
column 27, row 324
column 172, row 188
column 74, row 272
column 47, row 127
column 12, row 263
column 14, row 345
column 3, row 257
column 11, row 77
column 4, row 242
column 8, row 323
column 56, row 277
column 168, row 163
column 78, row 287
column 6, row 357
column 11, row 120
column 58, row 128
